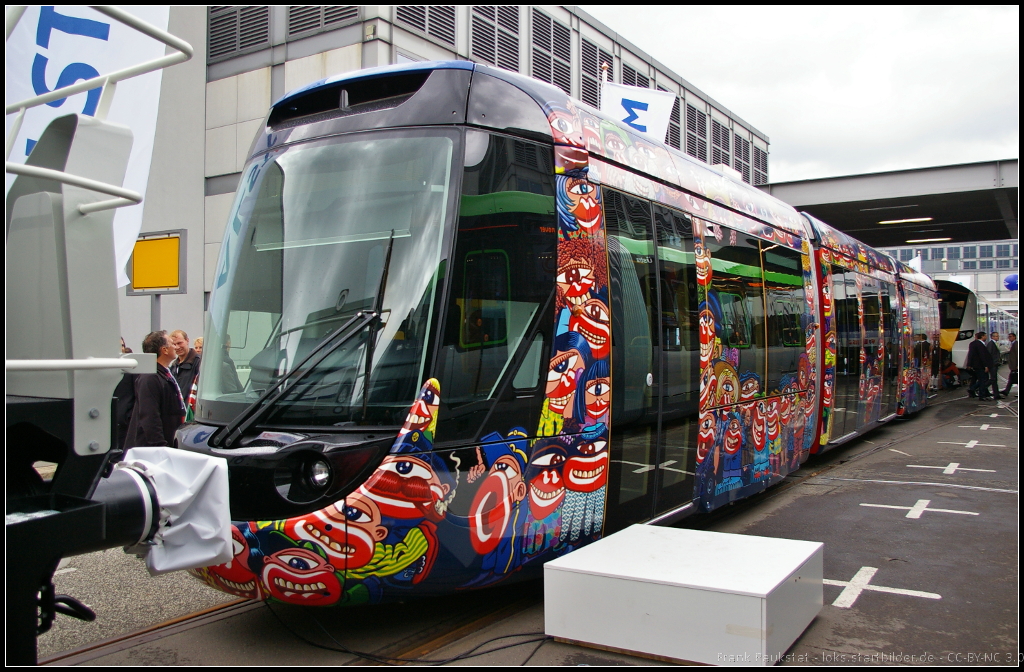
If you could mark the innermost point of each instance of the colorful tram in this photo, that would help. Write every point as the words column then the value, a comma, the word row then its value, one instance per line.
column 462, row 324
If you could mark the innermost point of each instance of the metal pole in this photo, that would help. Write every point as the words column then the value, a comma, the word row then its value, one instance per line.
column 154, row 313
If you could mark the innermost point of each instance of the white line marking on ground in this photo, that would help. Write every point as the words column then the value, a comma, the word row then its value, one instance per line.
column 861, row 581
column 950, row 468
column 65, row 570
column 938, row 485
column 984, row 427
column 972, row 443
column 918, row 509
column 900, row 452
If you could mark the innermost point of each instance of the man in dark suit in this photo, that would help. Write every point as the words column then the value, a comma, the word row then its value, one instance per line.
column 159, row 407
column 1011, row 361
column 979, row 362
column 185, row 367
column 997, row 359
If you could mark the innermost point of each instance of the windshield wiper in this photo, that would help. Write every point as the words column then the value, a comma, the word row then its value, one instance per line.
column 229, row 434
column 378, row 305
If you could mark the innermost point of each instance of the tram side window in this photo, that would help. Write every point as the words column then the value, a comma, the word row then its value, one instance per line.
column 784, row 290
column 737, row 303
column 502, row 268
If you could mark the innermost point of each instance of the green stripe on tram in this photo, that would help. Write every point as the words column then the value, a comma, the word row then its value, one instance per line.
column 507, row 201
column 643, row 248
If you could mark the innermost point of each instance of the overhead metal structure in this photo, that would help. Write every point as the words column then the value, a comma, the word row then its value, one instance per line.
column 962, row 203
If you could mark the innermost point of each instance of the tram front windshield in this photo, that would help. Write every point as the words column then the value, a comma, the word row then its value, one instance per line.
column 305, row 251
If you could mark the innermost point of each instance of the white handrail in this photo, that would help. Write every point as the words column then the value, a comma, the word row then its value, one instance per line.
column 124, row 196
column 92, row 363
column 183, row 47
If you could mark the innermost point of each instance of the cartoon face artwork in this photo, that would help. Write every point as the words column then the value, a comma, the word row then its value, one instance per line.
column 598, row 398
column 300, row 576
column 593, row 322
column 348, row 530
column 706, row 332
column 545, row 481
column 234, row 576
column 497, row 497
column 407, row 486
column 575, row 278
column 758, row 429
column 564, row 371
column 705, row 435
column 422, row 416
column 728, row 388
column 733, row 439
column 584, row 204
column 702, row 257
column 772, row 417
column 565, row 126
column 750, row 385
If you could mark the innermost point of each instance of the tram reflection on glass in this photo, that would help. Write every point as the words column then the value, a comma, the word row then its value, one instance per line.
column 462, row 324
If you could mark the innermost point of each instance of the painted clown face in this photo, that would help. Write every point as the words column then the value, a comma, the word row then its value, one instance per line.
column 494, row 503
column 785, row 408
column 757, row 427
column 706, row 332
column 826, row 297
column 300, row 576
column 423, row 411
column 598, row 397
column 585, row 206
column 703, row 260
column 830, row 342
column 591, row 133
column 575, row 278
column 547, row 487
column 615, row 146
column 565, row 128
column 347, row 530
column 563, row 373
column 705, row 435
column 587, row 470
column 773, row 418
column 708, row 387
column 733, row 436
column 728, row 391
column 826, row 387
column 749, row 388
column 234, row 576
column 592, row 324
column 407, row 487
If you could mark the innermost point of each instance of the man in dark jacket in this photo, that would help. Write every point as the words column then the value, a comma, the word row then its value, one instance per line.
column 186, row 367
column 159, row 408
column 997, row 359
column 979, row 362
column 1011, row 361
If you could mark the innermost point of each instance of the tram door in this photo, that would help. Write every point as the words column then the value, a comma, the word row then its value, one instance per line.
column 844, row 294
column 891, row 329
column 649, row 473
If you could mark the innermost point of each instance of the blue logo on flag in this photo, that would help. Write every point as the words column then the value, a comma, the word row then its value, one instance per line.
column 632, row 106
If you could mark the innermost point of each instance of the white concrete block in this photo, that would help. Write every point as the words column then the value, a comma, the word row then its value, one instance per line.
column 303, row 71
column 246, row 132
column 221, row 102
column 253, row 94
column 220, row 150
column 211, row 253
column 216, row 216
column 687, row 595
column 346, row 59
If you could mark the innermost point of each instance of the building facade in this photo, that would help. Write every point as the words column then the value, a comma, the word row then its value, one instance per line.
column 248, row 56
column 981, row 267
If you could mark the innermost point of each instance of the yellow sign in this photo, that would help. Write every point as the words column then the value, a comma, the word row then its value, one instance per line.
column 155, row 263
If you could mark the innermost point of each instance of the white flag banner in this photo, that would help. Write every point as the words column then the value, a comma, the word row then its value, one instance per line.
column 56, row 46
column 915, row 263
column 645, row 110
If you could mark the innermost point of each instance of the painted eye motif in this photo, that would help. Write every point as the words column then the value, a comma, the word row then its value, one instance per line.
column 597, row 388
column 408, row 469
column 593, row 448
column 236, row 547
column 356, row 515
column 562, row 125
column 596, row 312
column 581, row 189
column 429, row 397
column 549, row 460
column 297, row 562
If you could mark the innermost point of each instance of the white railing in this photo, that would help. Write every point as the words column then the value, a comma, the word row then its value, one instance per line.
column 88, row 364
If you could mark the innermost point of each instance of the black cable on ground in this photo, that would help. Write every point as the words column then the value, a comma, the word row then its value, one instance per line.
column 390, row 660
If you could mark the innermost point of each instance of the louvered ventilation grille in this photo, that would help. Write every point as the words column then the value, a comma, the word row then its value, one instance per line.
column 696, row 133
column 551, row 52
column 673, row 137
column 438, row 21
column 741, row 156
column 526, row 154
column 760, row 166
column 237, row 28
column 720, row 143
column 340, row 13
column 633, row 78
column 303, row 18
column 591, row 59
column 494, row 36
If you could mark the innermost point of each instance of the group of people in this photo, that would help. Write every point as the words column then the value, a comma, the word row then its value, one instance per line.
column 151, row 406
column 983, row 362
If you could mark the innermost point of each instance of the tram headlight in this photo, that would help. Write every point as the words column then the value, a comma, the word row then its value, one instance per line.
column 319, row 474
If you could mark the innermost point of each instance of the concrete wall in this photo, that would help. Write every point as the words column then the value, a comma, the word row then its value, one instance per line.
column 174, row 196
